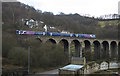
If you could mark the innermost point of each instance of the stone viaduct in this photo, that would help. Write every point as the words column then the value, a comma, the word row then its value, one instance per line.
column 101, row 48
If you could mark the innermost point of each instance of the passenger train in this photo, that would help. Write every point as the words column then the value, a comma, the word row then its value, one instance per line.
column 23, row 32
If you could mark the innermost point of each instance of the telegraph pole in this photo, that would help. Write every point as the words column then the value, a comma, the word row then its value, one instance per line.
column 29, row 58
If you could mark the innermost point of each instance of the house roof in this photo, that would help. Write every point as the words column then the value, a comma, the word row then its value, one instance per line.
column 71, row 67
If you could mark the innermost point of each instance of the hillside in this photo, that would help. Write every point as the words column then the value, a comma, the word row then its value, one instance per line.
column 73, row 23
column 108, row 23
column 14, row 46
column 18, row 11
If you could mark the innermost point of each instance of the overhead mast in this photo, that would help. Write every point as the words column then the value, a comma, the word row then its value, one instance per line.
column 45, row 27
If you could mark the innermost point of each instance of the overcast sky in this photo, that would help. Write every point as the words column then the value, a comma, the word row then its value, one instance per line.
column 92, row 7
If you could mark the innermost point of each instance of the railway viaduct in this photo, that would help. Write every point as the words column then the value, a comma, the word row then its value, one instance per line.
column 101, row 48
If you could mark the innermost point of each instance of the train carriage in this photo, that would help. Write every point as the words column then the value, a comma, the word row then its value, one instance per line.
column 22, row 32
column 85, row 35
column 60, row 34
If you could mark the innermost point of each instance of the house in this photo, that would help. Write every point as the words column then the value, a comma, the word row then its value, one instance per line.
column 63, row 31
column 74, row 68
column 104, row 66
column 32, row 23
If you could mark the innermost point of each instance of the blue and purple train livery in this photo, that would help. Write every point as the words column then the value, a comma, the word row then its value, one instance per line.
column 85, row 35
column 21, row 32
column 60, row 34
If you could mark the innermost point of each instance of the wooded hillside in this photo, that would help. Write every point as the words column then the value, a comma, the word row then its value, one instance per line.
column 13, row 13
column 14, row 47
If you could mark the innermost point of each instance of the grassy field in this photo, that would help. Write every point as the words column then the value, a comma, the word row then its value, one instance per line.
column 108, row 23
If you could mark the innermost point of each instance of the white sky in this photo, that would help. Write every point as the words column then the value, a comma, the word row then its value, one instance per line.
column 92, row 7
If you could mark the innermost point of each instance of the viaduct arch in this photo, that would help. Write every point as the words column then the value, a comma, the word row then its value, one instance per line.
column 101, row 49
column 96, row 49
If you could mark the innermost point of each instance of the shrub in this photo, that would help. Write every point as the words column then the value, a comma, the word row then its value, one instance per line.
column 47, row 55
column 18, row 56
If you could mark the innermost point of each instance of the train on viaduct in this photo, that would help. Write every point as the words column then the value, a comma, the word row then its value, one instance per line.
column 103, row 48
